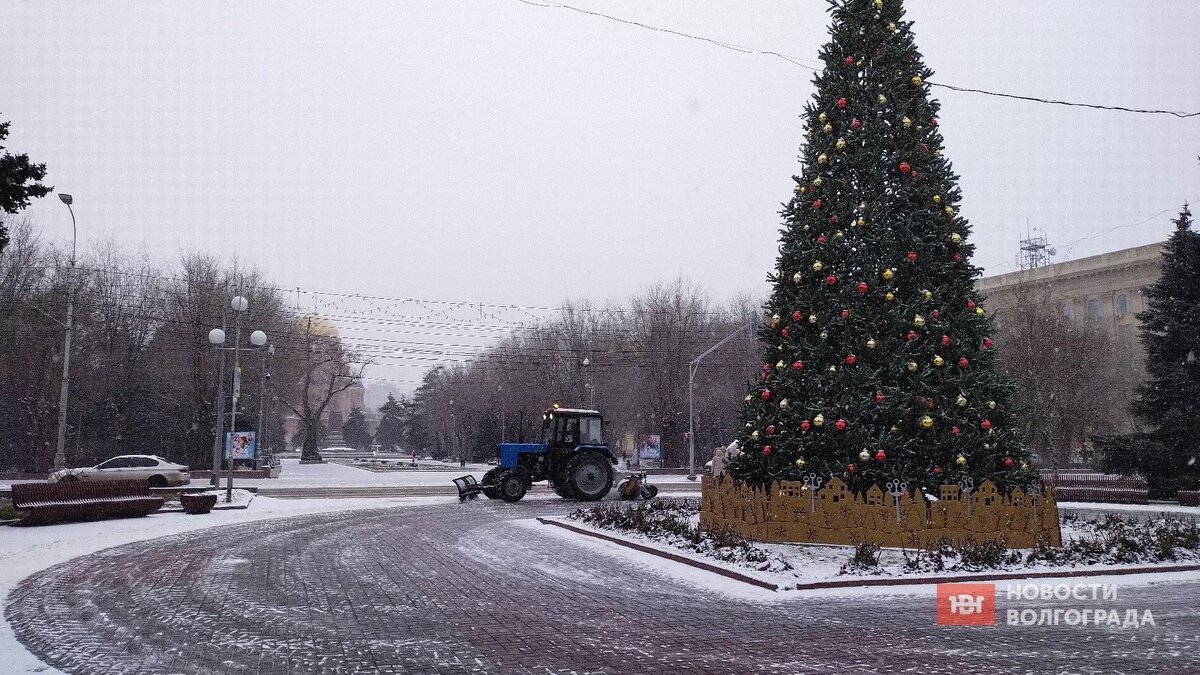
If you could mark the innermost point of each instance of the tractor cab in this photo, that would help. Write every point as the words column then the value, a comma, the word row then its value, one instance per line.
column 568, row 427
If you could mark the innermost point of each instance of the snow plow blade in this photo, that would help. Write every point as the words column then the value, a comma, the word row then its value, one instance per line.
column 468, row 487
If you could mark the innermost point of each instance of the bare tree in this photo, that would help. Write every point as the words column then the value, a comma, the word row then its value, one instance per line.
column 325, row 370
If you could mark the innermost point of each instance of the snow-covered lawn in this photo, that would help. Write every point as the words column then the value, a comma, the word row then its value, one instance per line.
column 26, row 550
column 789, row 566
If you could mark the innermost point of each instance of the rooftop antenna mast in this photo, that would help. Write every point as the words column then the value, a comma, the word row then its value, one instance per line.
column 1035, row 251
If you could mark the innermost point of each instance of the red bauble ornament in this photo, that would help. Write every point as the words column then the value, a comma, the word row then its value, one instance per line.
column 797, row 365
column 821, row 239
column 920, row 400
column 766, row 395
column 840, row 425
column 957, row 257
column 970, row 304
column 1008, row 462
column 784, row 332
column 935, row 314
column 850, row 468
column 841, row 103
column 933, row 122
column 905, row 167
column 929, row 404
column 880, row 456
column 937, row 469
column 954, row 431
column 987, row 343
column 796, row 315
column 833, row 220
column 924, row 147
column 863, row 287
column 831, row 280
column 855, row 125
column 767, row 451
column 817, row 203
column 964, row 363
column 879, row 397
column 851, row 360
column 845, row 314
column 945, row 340
column 805, row 425
column 985, row 425
column 911, row 336
column 849, row 60
column 764, row 376
column 912, row 256
column 770, row 429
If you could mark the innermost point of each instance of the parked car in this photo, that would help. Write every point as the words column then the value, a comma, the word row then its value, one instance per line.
column 155, row 470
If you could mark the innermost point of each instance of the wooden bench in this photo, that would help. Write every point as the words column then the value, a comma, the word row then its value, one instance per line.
column 83, row 500
column 1097, row 487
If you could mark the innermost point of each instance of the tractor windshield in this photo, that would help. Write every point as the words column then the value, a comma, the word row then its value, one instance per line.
column 590, row 431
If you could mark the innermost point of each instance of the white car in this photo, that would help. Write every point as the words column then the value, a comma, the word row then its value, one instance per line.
column 155, row 470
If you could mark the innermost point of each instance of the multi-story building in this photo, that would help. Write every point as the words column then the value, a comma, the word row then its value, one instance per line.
column 1104, row 290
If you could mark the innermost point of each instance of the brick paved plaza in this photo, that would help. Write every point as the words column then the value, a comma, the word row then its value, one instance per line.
column 466, row 588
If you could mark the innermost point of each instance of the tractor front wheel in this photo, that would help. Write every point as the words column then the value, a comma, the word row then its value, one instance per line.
column 512, row 486
column 589, row 476
column 488, row 479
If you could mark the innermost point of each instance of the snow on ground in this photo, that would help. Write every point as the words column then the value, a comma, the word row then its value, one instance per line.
column 26, row 550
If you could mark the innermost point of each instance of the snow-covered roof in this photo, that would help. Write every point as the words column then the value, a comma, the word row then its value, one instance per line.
column 575, row 411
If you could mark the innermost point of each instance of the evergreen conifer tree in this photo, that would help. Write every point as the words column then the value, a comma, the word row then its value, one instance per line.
column 878, row 361
column 355, row 430
column 1168, row 403
column 390, row 432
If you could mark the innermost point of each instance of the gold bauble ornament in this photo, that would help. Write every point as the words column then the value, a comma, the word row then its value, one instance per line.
column 809, row 134
column 801, row 189
column 938, row 361
column 864, row 455
column 841, row 144
column 871, row 343
column 749, row 398
column 888, row 274
column 774, row 319
column 780, row 365
column 961, row 460
column 822, row 159
column 784, row 404
column 823, row 117
column 906, row 122
column 878, row 4
column 882, row 100
column 818, row 266
column 819, row 421
column 818, row 181
column 949, row 210
column 895, row 429
column 800, row 463
column 926, row 422
column 754, row 434
column 828, row 128
column 1024, row 465
column 916, row 80
column 912, row 366
column 861, row 222
column 979, row 311
column 892, row 26
column 918, row 321
column 991, row 405
column 889, row 296
column 928, row 295
column 955, row 238
column 962, row 401
column 937, row 199
column 812, row 319
column 839, row 234
column 797, row 277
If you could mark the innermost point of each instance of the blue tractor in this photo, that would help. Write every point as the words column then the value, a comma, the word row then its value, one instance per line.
column 572, row 456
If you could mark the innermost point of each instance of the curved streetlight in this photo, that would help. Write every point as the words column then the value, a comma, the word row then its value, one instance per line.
column 216, row 337
column 60, row 457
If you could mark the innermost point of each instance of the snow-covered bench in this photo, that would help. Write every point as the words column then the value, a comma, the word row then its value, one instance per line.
column 1097, row 487
column 83, row 500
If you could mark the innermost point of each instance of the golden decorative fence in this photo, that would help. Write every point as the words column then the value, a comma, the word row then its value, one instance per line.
column 793, row 511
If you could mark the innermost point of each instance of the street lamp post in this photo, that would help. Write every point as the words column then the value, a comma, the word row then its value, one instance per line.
column 262, row 397
column 589, row 384
column 217, row 337
column 60, row 457
column 692, row 368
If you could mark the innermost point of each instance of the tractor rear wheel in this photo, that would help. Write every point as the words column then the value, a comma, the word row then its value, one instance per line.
column 490, row 477
column 512, row 486
column 589, row 476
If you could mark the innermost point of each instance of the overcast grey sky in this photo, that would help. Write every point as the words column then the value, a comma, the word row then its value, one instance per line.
column 499, row 152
